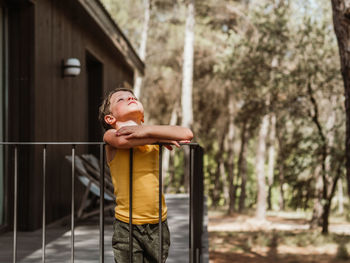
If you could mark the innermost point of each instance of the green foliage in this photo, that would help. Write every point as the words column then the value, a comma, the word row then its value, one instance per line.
column 267, row 54
column 173, row 182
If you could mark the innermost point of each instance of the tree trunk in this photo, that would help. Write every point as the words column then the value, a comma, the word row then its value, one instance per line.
column 281, row 159
column 216, row 181
column 317, row 208
column 271, row 161
column 187, row 81
column 166, row 154
column 230, row 157
column 281, row 179
column 325, row 215
column 242, row 167
column 331, row 121
column 187, row 69
column 230, row 183
column 260, row 168
column 341, row 22
column 340, row 197
column 322, row 182
column 328, row 166
column 143, row 45
column 226, row 194
column 328, row 203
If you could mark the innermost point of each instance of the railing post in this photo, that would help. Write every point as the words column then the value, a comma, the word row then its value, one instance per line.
column 191, row 235
column 160, row 204
column 131, row 158
column 44, row 205
column 15, row 205
column 196, row 200
column 197, row 203
column 102, row 181
column 72, row 204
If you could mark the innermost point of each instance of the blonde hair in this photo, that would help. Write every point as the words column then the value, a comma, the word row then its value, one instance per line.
column 105, row 106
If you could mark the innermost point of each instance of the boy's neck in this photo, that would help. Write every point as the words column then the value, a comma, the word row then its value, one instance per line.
column 120, row 124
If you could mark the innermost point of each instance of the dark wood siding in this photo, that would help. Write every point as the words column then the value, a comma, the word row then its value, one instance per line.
column 21, row 106
column 63, row 31
column 48, row 107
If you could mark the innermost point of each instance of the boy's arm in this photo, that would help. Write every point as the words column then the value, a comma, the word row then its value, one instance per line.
column 122, row 142
column 159, row 132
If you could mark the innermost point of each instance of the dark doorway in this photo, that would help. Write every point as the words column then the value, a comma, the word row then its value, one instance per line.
column 94, row 69
column 3, row 113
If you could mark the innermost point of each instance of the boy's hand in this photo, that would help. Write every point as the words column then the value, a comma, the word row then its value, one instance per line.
column 169, row 147
column 169, row 144
column 132, row 132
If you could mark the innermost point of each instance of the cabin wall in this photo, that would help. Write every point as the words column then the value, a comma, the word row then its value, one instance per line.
column 45, row 106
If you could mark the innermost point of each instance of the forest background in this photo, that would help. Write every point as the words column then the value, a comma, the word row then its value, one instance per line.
column 266, row 103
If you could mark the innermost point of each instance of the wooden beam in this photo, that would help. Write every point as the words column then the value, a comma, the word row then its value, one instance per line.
column 96, row 10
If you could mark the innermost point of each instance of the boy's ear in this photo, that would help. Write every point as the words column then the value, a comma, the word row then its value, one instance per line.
column 110, row 119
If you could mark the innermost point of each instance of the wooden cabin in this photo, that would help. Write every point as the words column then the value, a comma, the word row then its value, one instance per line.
column 40, row 104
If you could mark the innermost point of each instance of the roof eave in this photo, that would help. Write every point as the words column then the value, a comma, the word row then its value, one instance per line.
column 100, row 15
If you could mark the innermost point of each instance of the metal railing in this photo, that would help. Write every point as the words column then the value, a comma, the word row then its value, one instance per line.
column 196, row 198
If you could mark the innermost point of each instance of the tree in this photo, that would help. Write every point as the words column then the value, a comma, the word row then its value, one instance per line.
column 318, row 84
column 257, row 69
column 143, row 45
column 187, row 68
column 257, row 60
column 187, row 79
column 242, row 166
column 260, row 168
column 341, row 23
column 230, row 155
column 271, row 156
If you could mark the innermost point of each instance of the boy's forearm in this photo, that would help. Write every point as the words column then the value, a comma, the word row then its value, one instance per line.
column 134, row 142
column 122, row 142
column 168, row 132
column 160, row 132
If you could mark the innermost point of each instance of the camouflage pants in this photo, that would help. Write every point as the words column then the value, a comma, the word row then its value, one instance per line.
column 145, row 242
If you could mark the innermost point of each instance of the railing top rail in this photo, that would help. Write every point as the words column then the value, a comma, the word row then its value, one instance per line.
column 52, row 143
column 77, row 143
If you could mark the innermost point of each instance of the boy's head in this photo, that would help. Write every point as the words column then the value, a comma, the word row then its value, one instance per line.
column 120, row 105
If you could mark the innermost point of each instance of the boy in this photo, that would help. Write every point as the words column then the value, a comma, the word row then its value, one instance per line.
column 122, row 116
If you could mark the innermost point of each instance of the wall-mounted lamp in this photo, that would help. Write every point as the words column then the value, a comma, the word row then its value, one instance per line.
column 71, row 67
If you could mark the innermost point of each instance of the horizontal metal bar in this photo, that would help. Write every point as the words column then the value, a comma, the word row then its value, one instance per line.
column 181, row 143
column 52, row 143
column 80, row 143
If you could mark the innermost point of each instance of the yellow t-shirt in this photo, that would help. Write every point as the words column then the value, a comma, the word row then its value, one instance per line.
column 145, row 185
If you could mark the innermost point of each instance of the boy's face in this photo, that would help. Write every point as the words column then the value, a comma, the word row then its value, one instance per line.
column 124, row 107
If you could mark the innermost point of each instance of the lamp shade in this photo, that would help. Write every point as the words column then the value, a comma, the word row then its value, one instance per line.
column 71, row 67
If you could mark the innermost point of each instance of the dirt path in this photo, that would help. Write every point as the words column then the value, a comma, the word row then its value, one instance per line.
column 281, row 238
